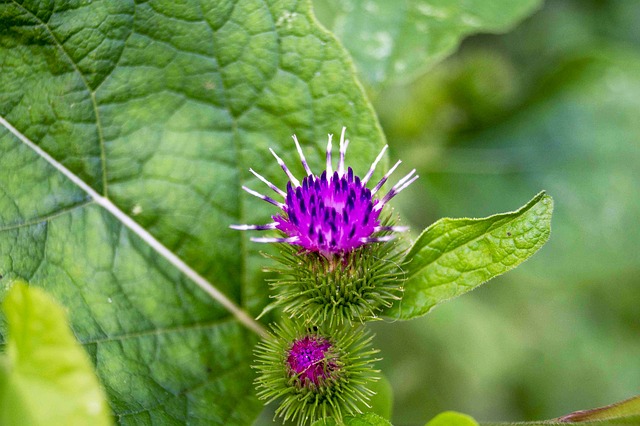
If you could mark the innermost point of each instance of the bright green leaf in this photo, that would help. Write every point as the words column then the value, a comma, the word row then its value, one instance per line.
column 366, row 419
column 397, row 40
column 126, row 131
column 45, row 376
column 451, row 418
column 453, row 256
column 591, row 125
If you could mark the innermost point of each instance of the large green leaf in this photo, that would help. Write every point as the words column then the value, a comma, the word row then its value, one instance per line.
column 126, row 131
column 396, row 40
column 45, row 376
column 453, row 256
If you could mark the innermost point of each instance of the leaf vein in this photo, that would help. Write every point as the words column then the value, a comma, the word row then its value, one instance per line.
column 45, row 218
column 156, row 331
column 92, row 95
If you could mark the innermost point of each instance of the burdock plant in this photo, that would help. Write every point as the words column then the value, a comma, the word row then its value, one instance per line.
column 340, row 265
column 338, row 268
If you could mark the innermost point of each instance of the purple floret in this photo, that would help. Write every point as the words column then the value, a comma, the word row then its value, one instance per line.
column 334, row 213
column 329, row 215
column 308, row 359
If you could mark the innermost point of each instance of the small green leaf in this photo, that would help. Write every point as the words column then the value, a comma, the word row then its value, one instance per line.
column 454, row 256
column 396, row 40
column 45, row 376
column 452, row 418
column 366, row 419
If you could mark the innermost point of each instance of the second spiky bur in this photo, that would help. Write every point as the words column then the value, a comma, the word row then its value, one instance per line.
column 315, row 372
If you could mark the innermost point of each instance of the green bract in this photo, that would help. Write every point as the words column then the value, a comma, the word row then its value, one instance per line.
column 341, row 290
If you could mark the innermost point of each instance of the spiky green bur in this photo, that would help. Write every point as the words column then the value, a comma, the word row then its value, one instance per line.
column 316, row 373
column 341, row 289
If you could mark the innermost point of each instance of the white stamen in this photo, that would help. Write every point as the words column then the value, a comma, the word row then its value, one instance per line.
column 343, row 150
column 406, row 185
column 292, row 178
column 269, row 184
column 274, row 240
column 302, row 158
column 385, row 177
column 377, row 239
column 391, row 228
column 403, row 180
column 329, row 166
column 264, row 197
column 396, row 190
column 373, row 165
column 254, row 227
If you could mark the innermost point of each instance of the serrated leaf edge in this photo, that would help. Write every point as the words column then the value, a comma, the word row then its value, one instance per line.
column 535, row 200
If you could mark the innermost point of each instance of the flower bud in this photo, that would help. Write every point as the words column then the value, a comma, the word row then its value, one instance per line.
column 315, row 372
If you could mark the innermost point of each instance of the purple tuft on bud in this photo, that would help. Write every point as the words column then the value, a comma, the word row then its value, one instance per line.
column 310, row 360
column 331, row 213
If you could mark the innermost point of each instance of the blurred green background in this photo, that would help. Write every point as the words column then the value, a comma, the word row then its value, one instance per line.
column 555, row 105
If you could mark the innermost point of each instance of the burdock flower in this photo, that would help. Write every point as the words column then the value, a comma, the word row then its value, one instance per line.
column 332, row 224
column 316, row 373
column 331, row 213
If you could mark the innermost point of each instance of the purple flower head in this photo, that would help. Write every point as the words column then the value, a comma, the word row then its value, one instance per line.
column 333, row 212
column 309, row 359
